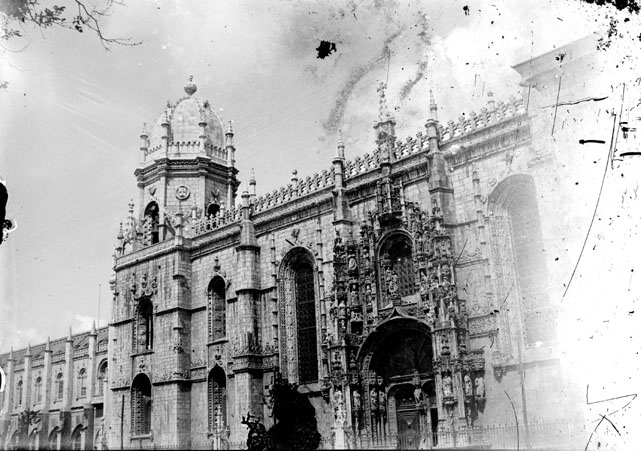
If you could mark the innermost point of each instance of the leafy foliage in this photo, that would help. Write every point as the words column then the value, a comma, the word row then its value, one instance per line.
column 295, row 428
column 78, row 15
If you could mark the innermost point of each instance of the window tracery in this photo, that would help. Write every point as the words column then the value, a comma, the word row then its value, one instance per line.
column 217, row 399
column 216, row 308
column 143, row 326
column 297, row 295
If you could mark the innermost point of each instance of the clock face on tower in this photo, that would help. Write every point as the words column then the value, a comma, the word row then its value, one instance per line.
column 182, row 192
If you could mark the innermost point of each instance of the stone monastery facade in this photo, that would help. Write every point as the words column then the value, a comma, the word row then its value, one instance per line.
column 405, row 292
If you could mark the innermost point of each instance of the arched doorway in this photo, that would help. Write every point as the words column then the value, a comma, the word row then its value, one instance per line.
column 141, row 405
column 399, row 382
column 54, row 439
column 77, row 438
column 217, row 400
column 34, row 439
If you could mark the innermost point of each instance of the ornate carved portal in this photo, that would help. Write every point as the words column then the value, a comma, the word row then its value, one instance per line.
column 396, row 343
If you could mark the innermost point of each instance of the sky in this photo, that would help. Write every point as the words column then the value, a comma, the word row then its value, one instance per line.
column 72, row 113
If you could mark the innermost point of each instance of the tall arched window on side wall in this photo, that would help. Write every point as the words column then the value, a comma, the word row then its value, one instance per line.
column 216, row 308
column 82, row 383
column 38, row 389
column 60, row 387
column 297, row 299
column 217, row 399
column 101, row 379
column 141, row 405
column 396, row 268
column 143, row 326
column 19, row 393
column 151, row 228
column 517, row 251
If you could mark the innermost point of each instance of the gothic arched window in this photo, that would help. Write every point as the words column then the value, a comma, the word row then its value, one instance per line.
column 54, row 439
column 217, row 399
column 151, row 224
column 297, row 293
column 396, row 267
column 60, row 386
column 143, row 333
column 76, row 438
column 141, row 405
column 517, row 248
column 82, row 383
column 216, row 305
column 101, row 379
column 38, row 389
column 34, row 439
column 19, row 393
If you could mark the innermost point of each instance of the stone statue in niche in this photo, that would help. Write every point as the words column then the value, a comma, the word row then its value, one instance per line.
column 393, row 283
column 467, row 385
column 357, row 401
column 447, row 386
column 480, row 387
column 373, row 399
column 382, row 401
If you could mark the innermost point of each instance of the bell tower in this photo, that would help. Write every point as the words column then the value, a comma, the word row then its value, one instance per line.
column 187, row 166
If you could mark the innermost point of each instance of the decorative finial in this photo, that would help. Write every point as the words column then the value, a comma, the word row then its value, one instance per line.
column 294, row 176
column 340, row 139
column 190, row 87
column 131, row 207
column 145, row 132
column 93, row 327
column 69, row 336
column 229, row 129
column 48, row 346
column 252, row 179
column 28, row 349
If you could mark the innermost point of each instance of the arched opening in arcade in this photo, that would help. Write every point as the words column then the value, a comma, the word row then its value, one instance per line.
column 152, row 223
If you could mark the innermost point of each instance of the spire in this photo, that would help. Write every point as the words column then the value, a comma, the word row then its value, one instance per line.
column 340, row 147
column 28, row 353
column 252, row 185
column 383, row 113
column 229, row 145
column 433, row 107
column 69, row 337
column 48, row 346
column 93, row 328
column 11, row 353
column 190, row 87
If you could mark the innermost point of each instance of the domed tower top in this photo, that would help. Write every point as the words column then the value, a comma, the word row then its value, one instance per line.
column 184, row 129
column 187, row 163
